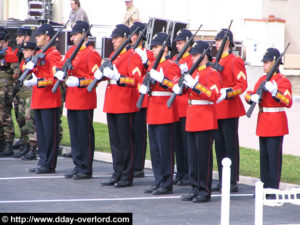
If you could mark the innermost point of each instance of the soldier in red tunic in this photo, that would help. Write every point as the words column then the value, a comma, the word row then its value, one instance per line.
column 181, row 102
column 201, row 122
column 81, row 103
column 272, row 122
column 44, row 103
column 120, row 104
column 160, row 118
column 229, row 109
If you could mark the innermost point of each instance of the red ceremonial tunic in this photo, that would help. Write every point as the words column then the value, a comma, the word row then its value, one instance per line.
column 181, row 101
column 203, row 116
column 272, row 124
column 86, row 62
column 234, row 77
column 158, row 111
column 42, row 96
column 123, row 96
column 10, row 56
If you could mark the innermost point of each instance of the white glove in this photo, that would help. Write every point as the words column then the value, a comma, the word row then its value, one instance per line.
column 254, row 98
column 29, row 65
column 190, row 81
column 223, row 95
column 72, row 81
column 271, row 87
column 59, row 75
column 143, row 89
column 158, row 76
column 176, row 89
column 183, row 68
column 31, row 82
column 98, row 74
column 142, row 54
column 112, row 74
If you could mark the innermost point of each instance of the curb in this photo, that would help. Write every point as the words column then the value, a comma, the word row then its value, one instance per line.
column 106, row 157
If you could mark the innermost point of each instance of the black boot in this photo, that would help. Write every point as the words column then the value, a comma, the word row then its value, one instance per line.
column 7, row 151
column 22, row 151
column 1, row 146
column 18, row 144
column 31, row 155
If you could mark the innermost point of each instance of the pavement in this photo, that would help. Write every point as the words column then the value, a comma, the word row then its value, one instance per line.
column 22, row 191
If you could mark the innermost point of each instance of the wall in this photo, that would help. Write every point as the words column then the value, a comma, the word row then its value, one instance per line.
column 289, row 11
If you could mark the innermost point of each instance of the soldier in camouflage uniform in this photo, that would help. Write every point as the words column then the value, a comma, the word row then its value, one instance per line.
column 23, row 35
column 25, row 118
column 8, row 62
column 132, row 13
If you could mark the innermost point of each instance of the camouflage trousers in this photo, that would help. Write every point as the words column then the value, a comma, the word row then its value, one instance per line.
column 7, row 132
column 25, row 115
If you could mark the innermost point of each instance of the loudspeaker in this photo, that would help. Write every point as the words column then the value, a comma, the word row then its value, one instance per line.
column 155, row 26
column 107, row 47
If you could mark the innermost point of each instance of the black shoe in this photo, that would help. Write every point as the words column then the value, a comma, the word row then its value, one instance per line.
column 110, row 182
column 188, row 197
column 216, row 188
column 44, row 170
column 31, row 155
column 183, row 182
column 234, row 187
column 81, row 176
column 18, row 144
column 67, row 155
column 69, row 175
column 33, row 170
column 7, row 151
column 59, row 150
column 138, row 173
column 22, row 151
column 162, row 191
column 150, row 189
column 176, row 179
column 201, row 198
column 123, row 183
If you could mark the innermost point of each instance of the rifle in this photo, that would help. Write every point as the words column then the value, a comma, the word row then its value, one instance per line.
column 187, row 44
column 39, row 56
column 190, row 71
column 140, row 37
column 270, row 74
column 147, row 79
column 68, row 64
column 108, row 62
column 216, row 64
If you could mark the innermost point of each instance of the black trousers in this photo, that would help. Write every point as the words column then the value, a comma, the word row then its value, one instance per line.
column 162, row 154
column 82, row 140
column 227, row 145
column 270, row 160
column 46, row 121
column 140, row 138
column 200, row 160
column 180, row 149
column 121, row 143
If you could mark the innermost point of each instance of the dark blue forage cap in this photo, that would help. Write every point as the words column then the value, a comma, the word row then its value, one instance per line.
column 199, row 47
column 221, row 34
column 183, row 35
column 29, row 45
column 24, row 31
column 121, row 30
column 139, row 26
column 159, row 38
column 271, row 54
column 46, row 29
column 80, row 27
column 3, row 33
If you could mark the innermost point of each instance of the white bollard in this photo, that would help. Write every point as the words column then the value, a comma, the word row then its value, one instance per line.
column 259, row 202
column 225, row 201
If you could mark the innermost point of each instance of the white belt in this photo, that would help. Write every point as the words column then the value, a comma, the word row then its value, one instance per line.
column 112, row 82
column 271, row 109
column 161, row 93
column 200, row 102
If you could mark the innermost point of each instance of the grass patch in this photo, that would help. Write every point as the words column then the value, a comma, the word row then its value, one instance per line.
column 249, row 158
